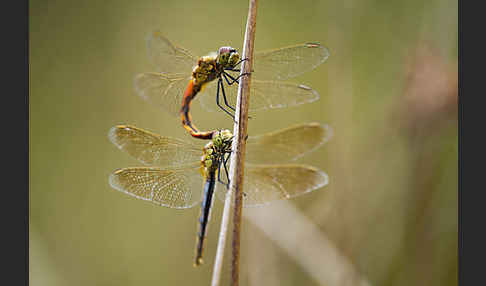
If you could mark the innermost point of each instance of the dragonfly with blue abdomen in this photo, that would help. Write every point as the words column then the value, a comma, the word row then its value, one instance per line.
column 180, row 77
column 176, row 183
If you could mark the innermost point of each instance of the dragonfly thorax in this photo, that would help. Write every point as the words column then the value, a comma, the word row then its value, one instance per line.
column 209, row 67
column 210, row 159
column 205, row 70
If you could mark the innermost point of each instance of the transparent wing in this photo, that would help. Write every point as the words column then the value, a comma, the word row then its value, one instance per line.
column 162, row 90
column 153, row 149
column 173, row 188
column 266, row 183
column 288, row 62
column 264, row 95
column 287, row 144
column 167, row 57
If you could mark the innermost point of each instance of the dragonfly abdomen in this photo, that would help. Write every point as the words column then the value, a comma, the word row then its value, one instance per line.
column 206, row 205
column 191, row 92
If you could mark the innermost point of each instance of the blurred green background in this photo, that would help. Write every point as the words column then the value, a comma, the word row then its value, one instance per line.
column 389, row 91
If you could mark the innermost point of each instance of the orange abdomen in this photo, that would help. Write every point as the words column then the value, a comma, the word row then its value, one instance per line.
column 189, row 94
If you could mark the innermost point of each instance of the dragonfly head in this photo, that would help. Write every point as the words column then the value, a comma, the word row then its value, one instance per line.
column 228, row 57
column 222, row 140
column 214, row 151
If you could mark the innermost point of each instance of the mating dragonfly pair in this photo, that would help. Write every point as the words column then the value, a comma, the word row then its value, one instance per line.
column 176, row 181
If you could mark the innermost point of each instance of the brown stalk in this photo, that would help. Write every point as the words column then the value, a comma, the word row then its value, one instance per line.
column 240, row 134
column 237, row 162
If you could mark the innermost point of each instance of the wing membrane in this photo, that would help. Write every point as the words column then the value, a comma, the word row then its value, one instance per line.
column 153, row 149
column 287, row 144
column 162, row 89
column 267, row 183
column 288, row 62
column 264, row 95
column 167, row 57
column 173, row 188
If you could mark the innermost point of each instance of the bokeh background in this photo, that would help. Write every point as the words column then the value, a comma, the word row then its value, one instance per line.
column 389, row 91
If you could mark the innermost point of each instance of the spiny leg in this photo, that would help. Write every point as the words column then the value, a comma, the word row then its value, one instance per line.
column 220, row 86
column 224, row 94
column 234, row 80
column 225, row 75
column 225, row 162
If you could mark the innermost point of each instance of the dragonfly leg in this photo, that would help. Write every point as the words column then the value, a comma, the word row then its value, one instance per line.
column 226, row 75
column 225, row 161
column 224, row 95
column 220, row 86
column 242, row 60
column 219, row 174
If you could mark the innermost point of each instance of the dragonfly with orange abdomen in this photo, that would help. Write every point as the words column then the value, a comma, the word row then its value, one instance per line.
column 181, row 77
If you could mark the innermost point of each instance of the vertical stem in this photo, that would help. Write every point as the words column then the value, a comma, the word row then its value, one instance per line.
column 237, row 157
column 240, row 133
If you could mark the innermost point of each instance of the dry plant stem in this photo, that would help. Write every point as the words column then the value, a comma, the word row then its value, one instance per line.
column 240, row 133
column 237, row 157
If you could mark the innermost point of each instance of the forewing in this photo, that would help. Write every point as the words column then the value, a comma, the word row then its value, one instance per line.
column 266, row 183
column 162, row 90
column 287, row 144
column 167, row 57
column 264, row 95
column 153, row 149
column 173, row 188
column 288, row 62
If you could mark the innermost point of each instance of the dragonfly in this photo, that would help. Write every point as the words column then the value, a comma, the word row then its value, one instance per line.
column 180, row 77
column 176, row 169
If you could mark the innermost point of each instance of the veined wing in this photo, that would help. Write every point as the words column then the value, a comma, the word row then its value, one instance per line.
column 287, row 144
column 153, row 149
column 264, row 95
column 288, row 62
column 167, row 57
column 173, row 188
column 162, row 89
column 266, row 183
